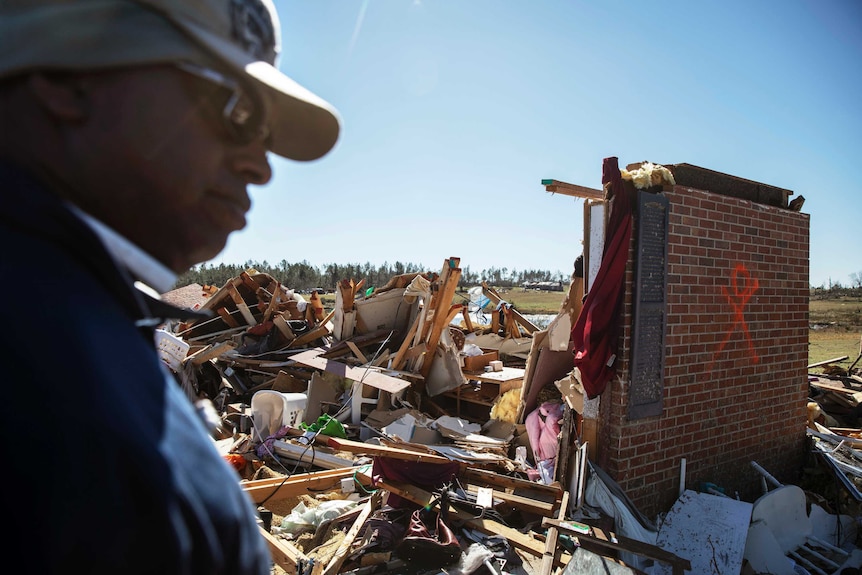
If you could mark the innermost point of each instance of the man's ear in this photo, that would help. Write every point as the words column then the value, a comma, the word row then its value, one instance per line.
column 63, row 96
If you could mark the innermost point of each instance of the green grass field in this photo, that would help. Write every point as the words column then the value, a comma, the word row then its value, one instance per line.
column 836, row 330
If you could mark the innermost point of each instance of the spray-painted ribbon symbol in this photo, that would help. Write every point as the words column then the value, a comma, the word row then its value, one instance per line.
column 738, row 299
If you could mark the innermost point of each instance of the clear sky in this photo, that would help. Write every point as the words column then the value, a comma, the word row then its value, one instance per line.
column 453, row 111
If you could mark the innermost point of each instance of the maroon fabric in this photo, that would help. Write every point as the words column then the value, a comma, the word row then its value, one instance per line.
column 428, row 476
column 594, row 337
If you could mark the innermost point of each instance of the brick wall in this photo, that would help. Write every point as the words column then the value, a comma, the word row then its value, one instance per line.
column 729, row 397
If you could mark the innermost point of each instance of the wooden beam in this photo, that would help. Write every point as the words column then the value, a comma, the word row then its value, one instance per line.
column 366, row 375
column 485, row 477
column 528, row 504
column 520, row 540
column 276, row 488
column 341, row 553
column 495, row 298
column 558, row 187
column 226, row 317
column 551, row 546
column 283, row 327
column 273, row 301
column 833, row 360
column 441, row 319
column 241, row 305
column 356, row 351
column 318, row 332
column 611, row 540
column 283, row 553
column 400, row 356
column 210, row 352
column 362, row 448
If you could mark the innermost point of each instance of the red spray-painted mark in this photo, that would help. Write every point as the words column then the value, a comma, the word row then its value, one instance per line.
column 743, row 287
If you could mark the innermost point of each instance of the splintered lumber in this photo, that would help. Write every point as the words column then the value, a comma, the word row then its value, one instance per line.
column 468, row 322
column 495, row 298
column 276, row 488
column 307, row 454
column 551, row 539
column 610, row 540
column 226, row 317
column 344, row 547
column 362, row 448
column 485, row 477
column 827, row 361
column 527, row 504
column 273, row 300
column 318, row 332
column 345, row 347
column 211, row 352
column 401, row 355
column 368, row 376
column 246, row 280
column 241, row 305
column 441, row 318
column 285, row 555
column 536, row 498
column 832, row 387
column 520, row 540
column 357, row 352
column 283, row 327
column 574, row 190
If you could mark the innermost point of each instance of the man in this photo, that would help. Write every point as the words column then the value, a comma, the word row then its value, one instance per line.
column 129, row 132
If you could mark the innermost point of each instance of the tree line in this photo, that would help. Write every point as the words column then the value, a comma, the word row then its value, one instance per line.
column 304, row 277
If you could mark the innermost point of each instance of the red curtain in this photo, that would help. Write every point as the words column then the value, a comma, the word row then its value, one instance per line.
column 594, row 336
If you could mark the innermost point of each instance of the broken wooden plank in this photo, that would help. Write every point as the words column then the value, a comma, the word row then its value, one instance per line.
column 305, row 454
column 276, row 488
column 551, row 548
column 574, row 190
column 495, row 298
column 273, row 300
column 362, row 448
column 366, row 375
column 528, row 504
column 283, row 554
column 424, row 498
column 485, row 477
column 226, row 317
column 343, row 348
column 241, row 305
column 616, row 542
column 827, row 361
column 344, row 547
column 318, row 332
column 441, row 318
column 468, row 321
column 832, row 387
column 356, row 351
column 211, row 352
column 283, row 327
column 400, row 356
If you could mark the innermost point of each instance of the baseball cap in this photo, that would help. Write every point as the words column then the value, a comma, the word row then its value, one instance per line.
column 242, row 36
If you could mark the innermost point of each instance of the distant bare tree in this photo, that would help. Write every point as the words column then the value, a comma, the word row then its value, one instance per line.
column 856, row 279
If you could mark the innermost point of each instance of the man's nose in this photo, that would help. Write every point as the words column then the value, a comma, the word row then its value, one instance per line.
column 252, row 163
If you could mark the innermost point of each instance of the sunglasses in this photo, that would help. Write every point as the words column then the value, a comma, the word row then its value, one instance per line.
column 242, row 116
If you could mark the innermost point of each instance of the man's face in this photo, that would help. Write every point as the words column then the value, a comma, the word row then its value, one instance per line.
column 154, row 160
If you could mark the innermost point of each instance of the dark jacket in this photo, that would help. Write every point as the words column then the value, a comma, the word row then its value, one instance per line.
column 107, row 467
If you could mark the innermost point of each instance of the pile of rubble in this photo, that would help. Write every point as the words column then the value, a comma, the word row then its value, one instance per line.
column 395, row 434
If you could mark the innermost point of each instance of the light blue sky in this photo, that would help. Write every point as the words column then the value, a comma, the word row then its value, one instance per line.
column 454, row 111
